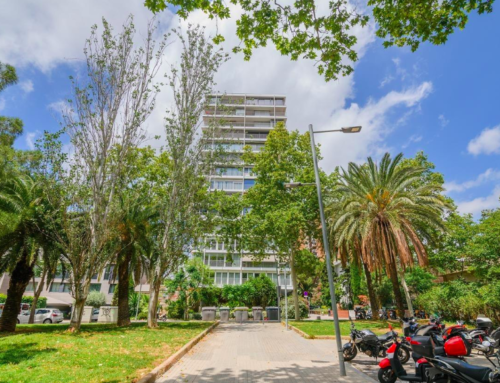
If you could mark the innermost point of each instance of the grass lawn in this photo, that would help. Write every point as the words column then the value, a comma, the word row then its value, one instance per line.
column 325, row 327
column 99, row 353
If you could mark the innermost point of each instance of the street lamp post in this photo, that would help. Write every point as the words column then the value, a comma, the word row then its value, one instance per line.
column 326, row 247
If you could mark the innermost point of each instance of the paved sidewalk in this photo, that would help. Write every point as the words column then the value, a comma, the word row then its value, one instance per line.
column 253, row 352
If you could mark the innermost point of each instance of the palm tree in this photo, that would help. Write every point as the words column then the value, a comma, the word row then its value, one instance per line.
column 21, row 209
column 133, row 225
column 388, row 214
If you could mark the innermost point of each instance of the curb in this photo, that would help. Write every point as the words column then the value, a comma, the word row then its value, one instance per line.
column 167, row 364
column 361, row 374
column 307, row 336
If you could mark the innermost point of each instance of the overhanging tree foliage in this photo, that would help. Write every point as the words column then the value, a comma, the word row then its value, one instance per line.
column 325, row 31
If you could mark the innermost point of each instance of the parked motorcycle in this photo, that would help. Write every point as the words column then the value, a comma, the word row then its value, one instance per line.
column 423, row 347
column 360, row 313
column 372, row 345
column 459, row 371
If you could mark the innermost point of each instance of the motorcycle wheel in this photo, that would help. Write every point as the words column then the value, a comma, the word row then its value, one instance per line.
column 386, row 375
column 350, row 353
column 403, row 355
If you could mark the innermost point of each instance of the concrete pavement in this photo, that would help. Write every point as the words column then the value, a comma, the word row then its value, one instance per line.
column 253, row 352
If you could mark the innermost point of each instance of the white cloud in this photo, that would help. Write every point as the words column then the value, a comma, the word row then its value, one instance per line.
column 442, row 119
column 488, row 142
column 488, row 176
column 30, row 140
column 27, row 86
column 479, row 204
column 413, row 139
column 36, row 34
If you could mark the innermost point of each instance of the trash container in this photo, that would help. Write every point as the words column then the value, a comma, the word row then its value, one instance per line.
column 257, row 313
column 224, row 314
column 208, row 313
column 272, row 313
column 241, row 314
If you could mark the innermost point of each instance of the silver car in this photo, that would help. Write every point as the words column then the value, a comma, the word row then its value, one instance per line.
column 42, row 316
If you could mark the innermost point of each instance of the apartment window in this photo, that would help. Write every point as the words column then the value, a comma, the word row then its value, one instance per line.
column 262, row 113
column 220, row 245
column 249, row 172
column 112, row 288
column 265, row 101
column 109, row 272
column 57, row 287
column 30, row 288
column 267, row 124
column 216, row 260
column 95, row 287
column 246, row 210
column 234, row 263
column 285, row 281
column 212, row 244
column 279, row 101
column 244, row 277
column 221, row 278
column 229, row 172
column 227, row 185
column 234, row 279
column 239, row 112
column 249, row 184
column 274, row 278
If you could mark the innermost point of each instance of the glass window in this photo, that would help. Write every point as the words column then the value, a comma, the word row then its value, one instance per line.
column 95, row 287
column 244, row 277
column 249, row 172
column 220, row 245
column 57, row 287
column 249, row 184
column 112, row 288
column 109, row 272
column 30, row 286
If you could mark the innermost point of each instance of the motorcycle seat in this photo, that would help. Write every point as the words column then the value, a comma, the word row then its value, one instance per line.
column 386, row 337
column 475, row 372
column 439, row 351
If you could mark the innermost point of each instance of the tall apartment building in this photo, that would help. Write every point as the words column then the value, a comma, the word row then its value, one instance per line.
column 244, row 120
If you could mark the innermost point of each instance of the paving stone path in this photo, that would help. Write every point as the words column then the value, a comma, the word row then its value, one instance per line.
column 253, row 352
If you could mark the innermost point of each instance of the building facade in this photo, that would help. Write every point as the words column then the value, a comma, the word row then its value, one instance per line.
column 242, row 120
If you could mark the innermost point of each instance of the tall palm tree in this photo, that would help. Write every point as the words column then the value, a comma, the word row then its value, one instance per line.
column 388, row 214
column 21, row 208
column 132, row 227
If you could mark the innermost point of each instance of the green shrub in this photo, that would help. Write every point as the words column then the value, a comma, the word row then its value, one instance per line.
column 95, row 299
column 303, row 308
column 41, row 303
column 175, row 310
column 142, row 315
column 196, row 316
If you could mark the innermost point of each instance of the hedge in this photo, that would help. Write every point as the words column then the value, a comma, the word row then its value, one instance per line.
column 41, row 303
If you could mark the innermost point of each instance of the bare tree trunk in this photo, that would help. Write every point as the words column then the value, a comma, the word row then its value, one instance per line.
column 295, row 285
column 19, row 279
column 371, row 292
column 153, row 304
column 393, row 275
column 76, row 318
column 123, row 289
column 36, row 295
column 186, row 311
column 407, row 293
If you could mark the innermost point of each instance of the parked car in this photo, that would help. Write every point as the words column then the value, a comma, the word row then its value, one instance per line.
column 42, row 316
column 95, row 315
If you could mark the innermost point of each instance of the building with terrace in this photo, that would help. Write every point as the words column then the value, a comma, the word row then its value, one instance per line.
column 242, row 120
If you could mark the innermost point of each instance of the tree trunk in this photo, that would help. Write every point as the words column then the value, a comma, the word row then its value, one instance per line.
column 186, row 311
column 407, row 293
column 123, row 288
column 393, row 275
column 19, row 279
column 294, row 285
column 153, row 304
column 371, row 292
column 76, row 318
column 36, row 295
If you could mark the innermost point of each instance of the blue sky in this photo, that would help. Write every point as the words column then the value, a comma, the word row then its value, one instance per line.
column 443, row 100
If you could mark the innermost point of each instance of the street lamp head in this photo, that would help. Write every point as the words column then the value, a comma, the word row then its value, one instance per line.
column 351, row 129
column 292, row 185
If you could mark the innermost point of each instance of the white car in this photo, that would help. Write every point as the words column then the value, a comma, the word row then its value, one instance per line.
column 42, row 316
column 95, row 315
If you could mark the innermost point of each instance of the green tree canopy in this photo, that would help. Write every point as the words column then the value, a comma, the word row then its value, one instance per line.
column 325, row 32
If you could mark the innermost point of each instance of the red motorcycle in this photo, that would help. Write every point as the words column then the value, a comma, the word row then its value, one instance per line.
column 423, row 347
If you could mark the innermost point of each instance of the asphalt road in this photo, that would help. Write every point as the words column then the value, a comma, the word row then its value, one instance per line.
column 370, row 367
